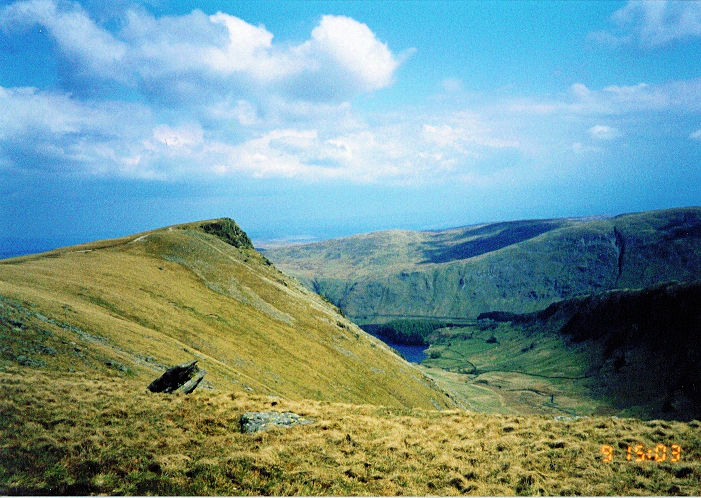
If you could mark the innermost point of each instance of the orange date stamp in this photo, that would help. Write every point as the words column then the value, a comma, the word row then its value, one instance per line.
column 638, row 453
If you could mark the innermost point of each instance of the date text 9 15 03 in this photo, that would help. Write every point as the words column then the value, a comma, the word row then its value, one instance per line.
column 639, row 453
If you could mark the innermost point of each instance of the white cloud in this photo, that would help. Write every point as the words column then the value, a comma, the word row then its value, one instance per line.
column 358, row 157
column 579, row 148
column 220, row 97
column 680, row 96
column 219, row 55
column 30, row 112
column 696, row 135
column 54, row 131
column 58, row 130
column 78, row 37
column 580, row 90
column 652, row 24
column 443, row 135
column 604, row 132
column 240, row 110
column 184, row 137
column 354, row 48
column 458, row 138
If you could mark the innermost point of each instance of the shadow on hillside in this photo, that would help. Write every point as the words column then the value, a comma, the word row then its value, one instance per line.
column 491, row 238
column 642, row 345
column 688, row 226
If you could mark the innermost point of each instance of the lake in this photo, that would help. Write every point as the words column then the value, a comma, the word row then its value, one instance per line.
column 413, row 354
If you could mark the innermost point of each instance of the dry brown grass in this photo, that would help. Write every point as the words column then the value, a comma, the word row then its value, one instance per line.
column 82, row 435
column 160, row 298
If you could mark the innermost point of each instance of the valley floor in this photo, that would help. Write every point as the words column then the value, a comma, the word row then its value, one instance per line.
column 77, row 435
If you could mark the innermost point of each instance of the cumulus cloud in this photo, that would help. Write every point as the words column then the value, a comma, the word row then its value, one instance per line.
column 184, row 137
column 79, row 38
column 53, row 131
column 652, row 24
column 220, row 54
column 56, row 130
column 395, row 154
column 50, row 130
column 215, row 96
column 603, row 132
column 696, row 135
column 353, row 49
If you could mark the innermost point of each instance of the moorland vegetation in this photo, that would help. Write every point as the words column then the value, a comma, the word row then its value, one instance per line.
column 506, row 404
column 133, row 306
column 72, row 434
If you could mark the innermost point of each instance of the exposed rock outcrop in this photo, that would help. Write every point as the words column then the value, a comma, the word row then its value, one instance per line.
column 260, row 421
column 181, row 378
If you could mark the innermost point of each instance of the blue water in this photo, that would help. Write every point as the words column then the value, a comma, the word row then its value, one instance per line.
column 413, row 354
column 15, row 246
column 9, row 248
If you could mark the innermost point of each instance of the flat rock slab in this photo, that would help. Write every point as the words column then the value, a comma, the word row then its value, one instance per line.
column 260, row 421
column 180, row 378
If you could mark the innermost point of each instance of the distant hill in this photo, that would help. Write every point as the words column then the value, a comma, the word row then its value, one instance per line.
column 130, row 307
column 516, row 266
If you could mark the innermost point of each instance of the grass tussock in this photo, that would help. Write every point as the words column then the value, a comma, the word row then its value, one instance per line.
column 77, row 435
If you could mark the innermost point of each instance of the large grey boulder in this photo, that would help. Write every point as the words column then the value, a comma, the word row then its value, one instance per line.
column 260, row 421
column 180, row 378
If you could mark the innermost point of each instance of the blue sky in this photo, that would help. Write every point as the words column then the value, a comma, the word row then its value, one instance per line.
column 307, row 120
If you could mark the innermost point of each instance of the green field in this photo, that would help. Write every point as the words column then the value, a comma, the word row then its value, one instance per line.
column 629, row 353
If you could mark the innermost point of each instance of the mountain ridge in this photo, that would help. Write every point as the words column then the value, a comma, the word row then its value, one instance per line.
column 194, row 291
column 84, row 329
column 518, row 266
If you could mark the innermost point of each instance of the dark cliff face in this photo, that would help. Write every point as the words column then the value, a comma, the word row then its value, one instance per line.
column 661, row 315
column 227, row 230
column 649, row 342
column 644, row 346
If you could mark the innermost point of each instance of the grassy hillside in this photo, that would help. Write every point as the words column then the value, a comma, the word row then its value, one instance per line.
column 516, row 266
column 127, row 308
column 633, row 353
column 84, row 329
column 70, row 435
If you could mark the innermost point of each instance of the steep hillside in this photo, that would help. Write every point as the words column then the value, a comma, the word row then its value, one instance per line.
column 625, row 352
column 643, row 346
column 517, row 266
column 130, row 307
